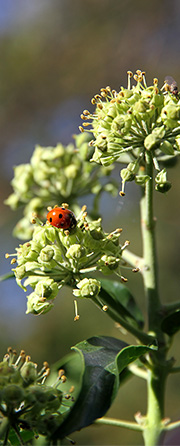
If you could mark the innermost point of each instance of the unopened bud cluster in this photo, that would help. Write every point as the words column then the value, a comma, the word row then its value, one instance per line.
column 54, row 258
column 54, row 175
column 131, row 122
column 26, row 401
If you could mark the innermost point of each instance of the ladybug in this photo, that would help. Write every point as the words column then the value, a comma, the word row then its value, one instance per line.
column 62, row 218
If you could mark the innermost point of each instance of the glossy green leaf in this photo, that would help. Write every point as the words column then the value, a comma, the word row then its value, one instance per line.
column 130, row 354
column 100, row 383
column 120, row 302
column 171, row 323
column 105, row 359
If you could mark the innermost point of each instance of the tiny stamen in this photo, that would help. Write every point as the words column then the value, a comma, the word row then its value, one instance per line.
column 76, row 318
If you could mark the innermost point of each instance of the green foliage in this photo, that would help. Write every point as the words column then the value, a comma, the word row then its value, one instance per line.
column 171, row 323
column 103, row 358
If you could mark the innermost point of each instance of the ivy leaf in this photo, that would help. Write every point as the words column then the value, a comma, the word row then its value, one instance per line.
column 171, row 323
column 130, row 354
column 105, row 358
column 120, row 302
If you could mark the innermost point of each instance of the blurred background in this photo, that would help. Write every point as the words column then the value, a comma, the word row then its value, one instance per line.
column 54, row 56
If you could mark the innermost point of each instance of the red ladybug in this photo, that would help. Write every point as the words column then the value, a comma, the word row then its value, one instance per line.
column 62, row 218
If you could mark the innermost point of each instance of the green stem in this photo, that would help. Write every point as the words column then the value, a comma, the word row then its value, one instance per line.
column 119, row 423
column 149, row 249
column 172, row 426
column 7, row 276
column 132, row 259
column 153, row 428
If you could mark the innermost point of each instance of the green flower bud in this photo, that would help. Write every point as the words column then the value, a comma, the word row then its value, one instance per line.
column 39, row 234
column 157, row 99
column 162, row 185
column 97, row 156
column 112, row 111
column 167, row 148
column 101, row 142
column 127, row 175
column 171, row 112
column 13, row 395
column 159, row 132
column 29, row 372
column 20, row 272
column 142, row 179
column 13, row 201
column 122, row 123
column 107, row 264
column 140, row 106
column 76, row 252
column 37, row 305
column 46, row 288
column 50, row 233
column 71, row 238
column 46, row 254
column 23, row 178
column 36, row 398
column 71, row 171
column 87, row 288
column 26, row 253
column 53, row 398
column 151, row 142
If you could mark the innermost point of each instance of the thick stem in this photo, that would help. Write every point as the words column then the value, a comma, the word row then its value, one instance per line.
column 149, row 249
column 153, row 429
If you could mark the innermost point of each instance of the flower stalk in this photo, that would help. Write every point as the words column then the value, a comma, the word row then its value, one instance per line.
column 153, row 429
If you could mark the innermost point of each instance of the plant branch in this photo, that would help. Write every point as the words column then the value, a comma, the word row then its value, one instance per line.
column 132, row 259
column 119, row 423
column 7, row 276
column 172, row 426
column 153, row 429
column 141, row 373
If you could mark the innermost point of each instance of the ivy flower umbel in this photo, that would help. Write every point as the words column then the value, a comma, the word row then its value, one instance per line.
column 128, row 123
column 53, row 175
column 26, row 401
column 54, row 258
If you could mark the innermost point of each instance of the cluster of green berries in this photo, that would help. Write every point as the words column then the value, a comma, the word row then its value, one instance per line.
column 26, row 401
column 54, row 175
column 55, row 257
column 129, row 123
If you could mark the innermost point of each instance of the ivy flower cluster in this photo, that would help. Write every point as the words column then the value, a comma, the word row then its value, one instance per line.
column 54, row 258
column 26, row 401
column 136, row 120
column 56, row 174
